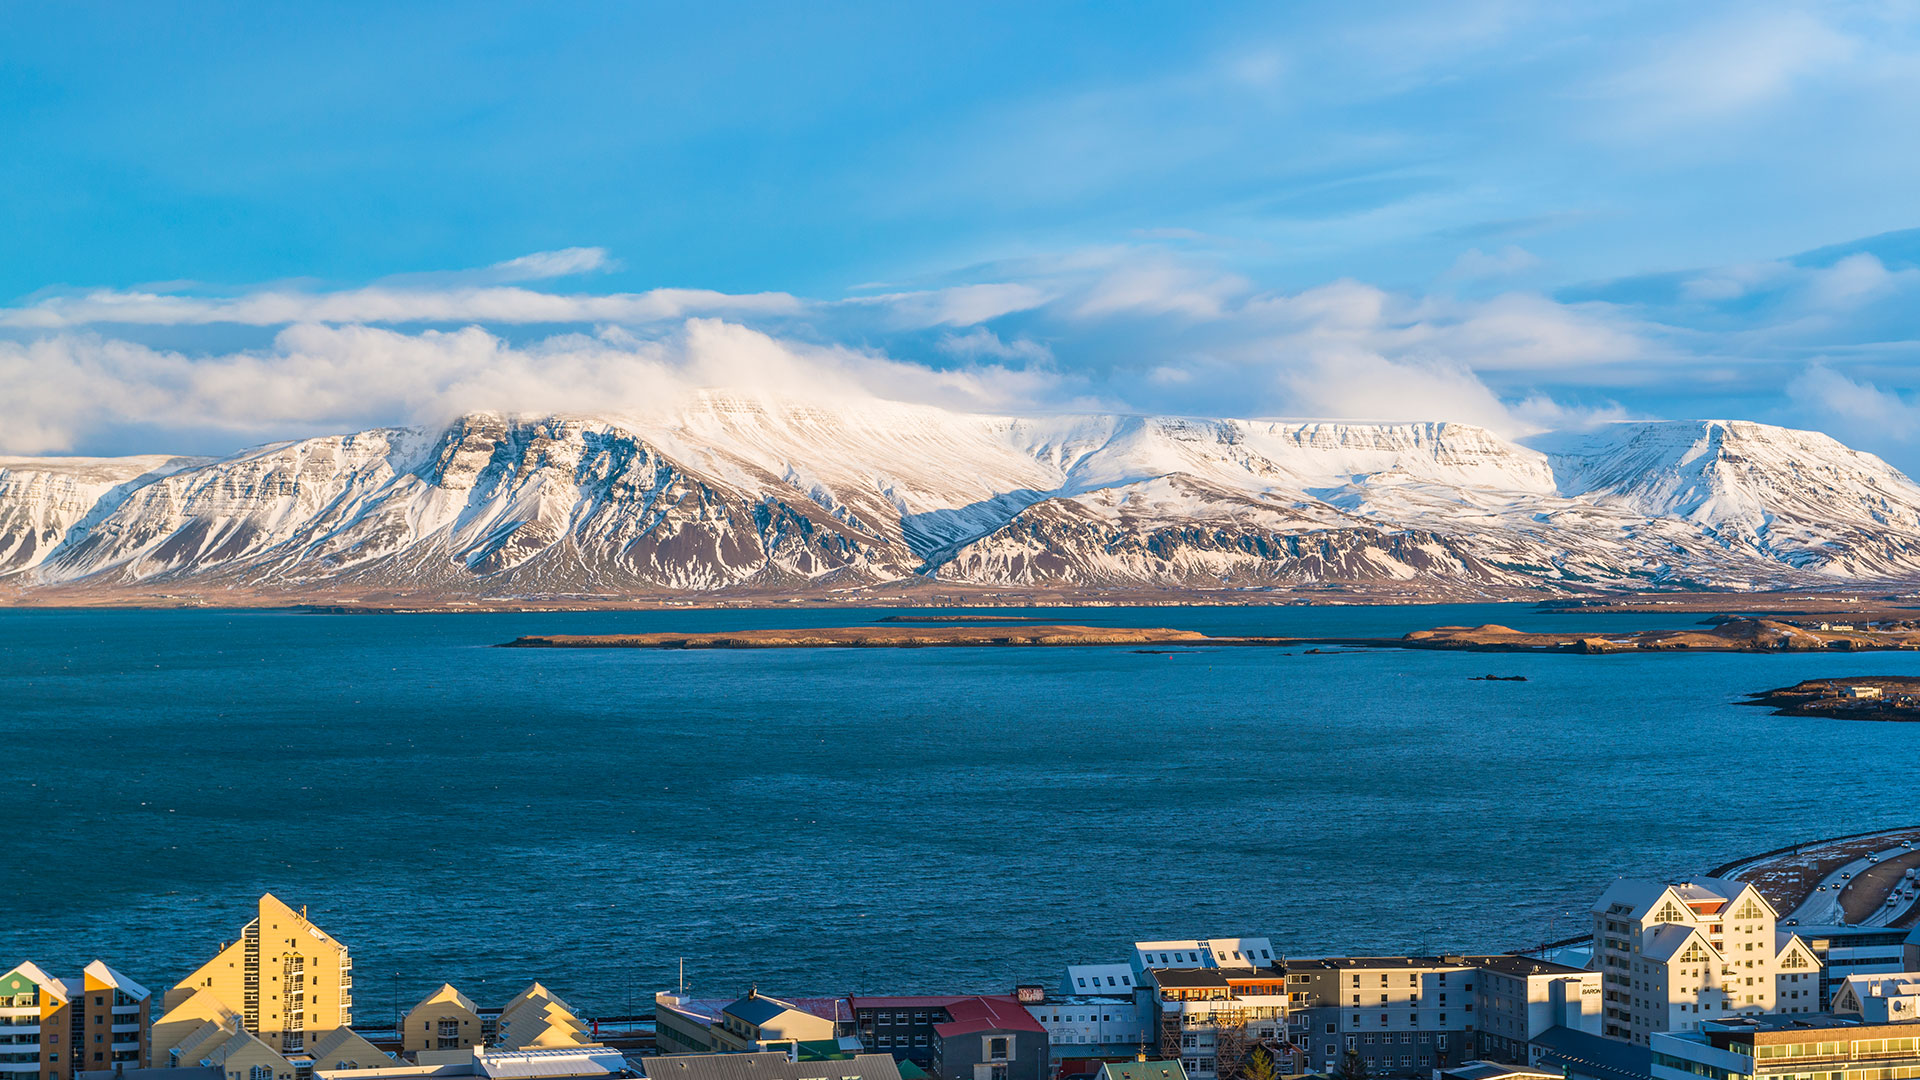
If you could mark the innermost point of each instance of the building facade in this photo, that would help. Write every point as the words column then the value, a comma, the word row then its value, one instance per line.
column 1211, row 1001
column 1675, row 955
column 1404, row 1015
column 444, row 1020
column 57, row 1028
column 1787, row 1048
column 1516, row 998
column 285, row 977
column 990, row 1038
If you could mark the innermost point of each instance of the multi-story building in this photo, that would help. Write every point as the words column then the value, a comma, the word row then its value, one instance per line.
column 901, row 1026
column 990, row 1038
column 537, row 1019
column 1845, row 951
column 1402, row 1014
column 285, row 977
column 1787, row 1048
column 55, row 1028
column 1094, row 1026
column 1211, row 1001
column 444, row 1020
column 1517, row 998
column 1674, row 956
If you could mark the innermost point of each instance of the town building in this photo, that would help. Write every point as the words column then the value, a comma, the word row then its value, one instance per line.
column 1090, row 1026
column 285, row 977
column 758, row 1023
column 444, row 1020
column 1787, row 1047
column 1516, row 998
column 1211, row 1001
column 1845, row 951
column 990, row 1038
column 55, row 1028
column 1880, row 999
column 536, row 1019
column 687, row 1025
column 1402, row 1014
column 1675, row 955
column 770, row 1066
column 900, row 1025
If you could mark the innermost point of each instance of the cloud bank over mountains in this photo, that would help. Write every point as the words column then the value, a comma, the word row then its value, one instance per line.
column 1153, row 326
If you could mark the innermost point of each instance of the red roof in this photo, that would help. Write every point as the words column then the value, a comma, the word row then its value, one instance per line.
column 998, row 1013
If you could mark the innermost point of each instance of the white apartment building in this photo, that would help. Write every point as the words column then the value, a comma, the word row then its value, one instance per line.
column 1086, row 1025
column 1674, row 955
column 1210, row 1000
column 1110, row 980
column 1195, row 953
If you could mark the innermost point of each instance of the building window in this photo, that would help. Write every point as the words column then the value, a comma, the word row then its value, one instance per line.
column 259, row 1072
column 997, row 1049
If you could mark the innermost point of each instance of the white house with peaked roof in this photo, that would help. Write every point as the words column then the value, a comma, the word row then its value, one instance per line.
column 1879, row 999
column 1673, row 955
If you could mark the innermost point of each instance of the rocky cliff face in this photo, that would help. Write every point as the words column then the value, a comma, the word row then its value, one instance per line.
column 729, row 493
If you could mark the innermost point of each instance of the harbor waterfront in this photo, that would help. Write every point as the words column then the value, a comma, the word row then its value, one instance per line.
column 848, row 820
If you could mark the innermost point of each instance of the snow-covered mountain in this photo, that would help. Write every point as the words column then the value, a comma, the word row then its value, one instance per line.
column 736, row 493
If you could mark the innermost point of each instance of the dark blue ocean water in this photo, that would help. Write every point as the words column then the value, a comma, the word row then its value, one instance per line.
column 879, row 820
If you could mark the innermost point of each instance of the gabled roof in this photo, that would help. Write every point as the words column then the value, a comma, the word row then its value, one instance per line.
column 1666, row 941
column 345, row 1041
column 30, row 972
column 451, row 996
column 976, row 1014
column 109, row 979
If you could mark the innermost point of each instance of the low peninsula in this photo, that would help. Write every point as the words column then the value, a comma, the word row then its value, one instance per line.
column 1893, row 698
column 1738, row 634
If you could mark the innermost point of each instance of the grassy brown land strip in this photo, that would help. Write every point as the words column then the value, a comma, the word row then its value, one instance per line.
column 896, row 637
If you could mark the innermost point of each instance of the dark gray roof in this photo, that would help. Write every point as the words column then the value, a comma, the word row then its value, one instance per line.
column 768, row 1066
column 756, row 1009
column 1366, row 962
column 1171, row 977
column 1522, row 966
column 1585, row 1054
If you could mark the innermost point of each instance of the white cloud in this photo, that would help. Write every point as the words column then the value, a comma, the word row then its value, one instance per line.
column 961, row 305
column 1476, row 265
column 982, row 342
column 1730, row 66
column 386, row 304
column 542, row 265
column 320, row 377
column 1855, row 407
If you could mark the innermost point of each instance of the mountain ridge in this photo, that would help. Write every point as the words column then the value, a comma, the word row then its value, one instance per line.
column 729, row 494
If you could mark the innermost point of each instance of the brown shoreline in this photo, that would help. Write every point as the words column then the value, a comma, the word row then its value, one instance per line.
column 1731, row 635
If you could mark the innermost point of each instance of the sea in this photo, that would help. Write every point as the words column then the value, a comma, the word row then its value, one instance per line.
column 871, row 820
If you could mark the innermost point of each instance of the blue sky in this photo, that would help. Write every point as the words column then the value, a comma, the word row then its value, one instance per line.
column 225, row 224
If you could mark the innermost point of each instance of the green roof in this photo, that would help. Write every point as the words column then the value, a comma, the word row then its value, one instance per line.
column 1145, row 1070
column 823, row 1050
column 910, row 1071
